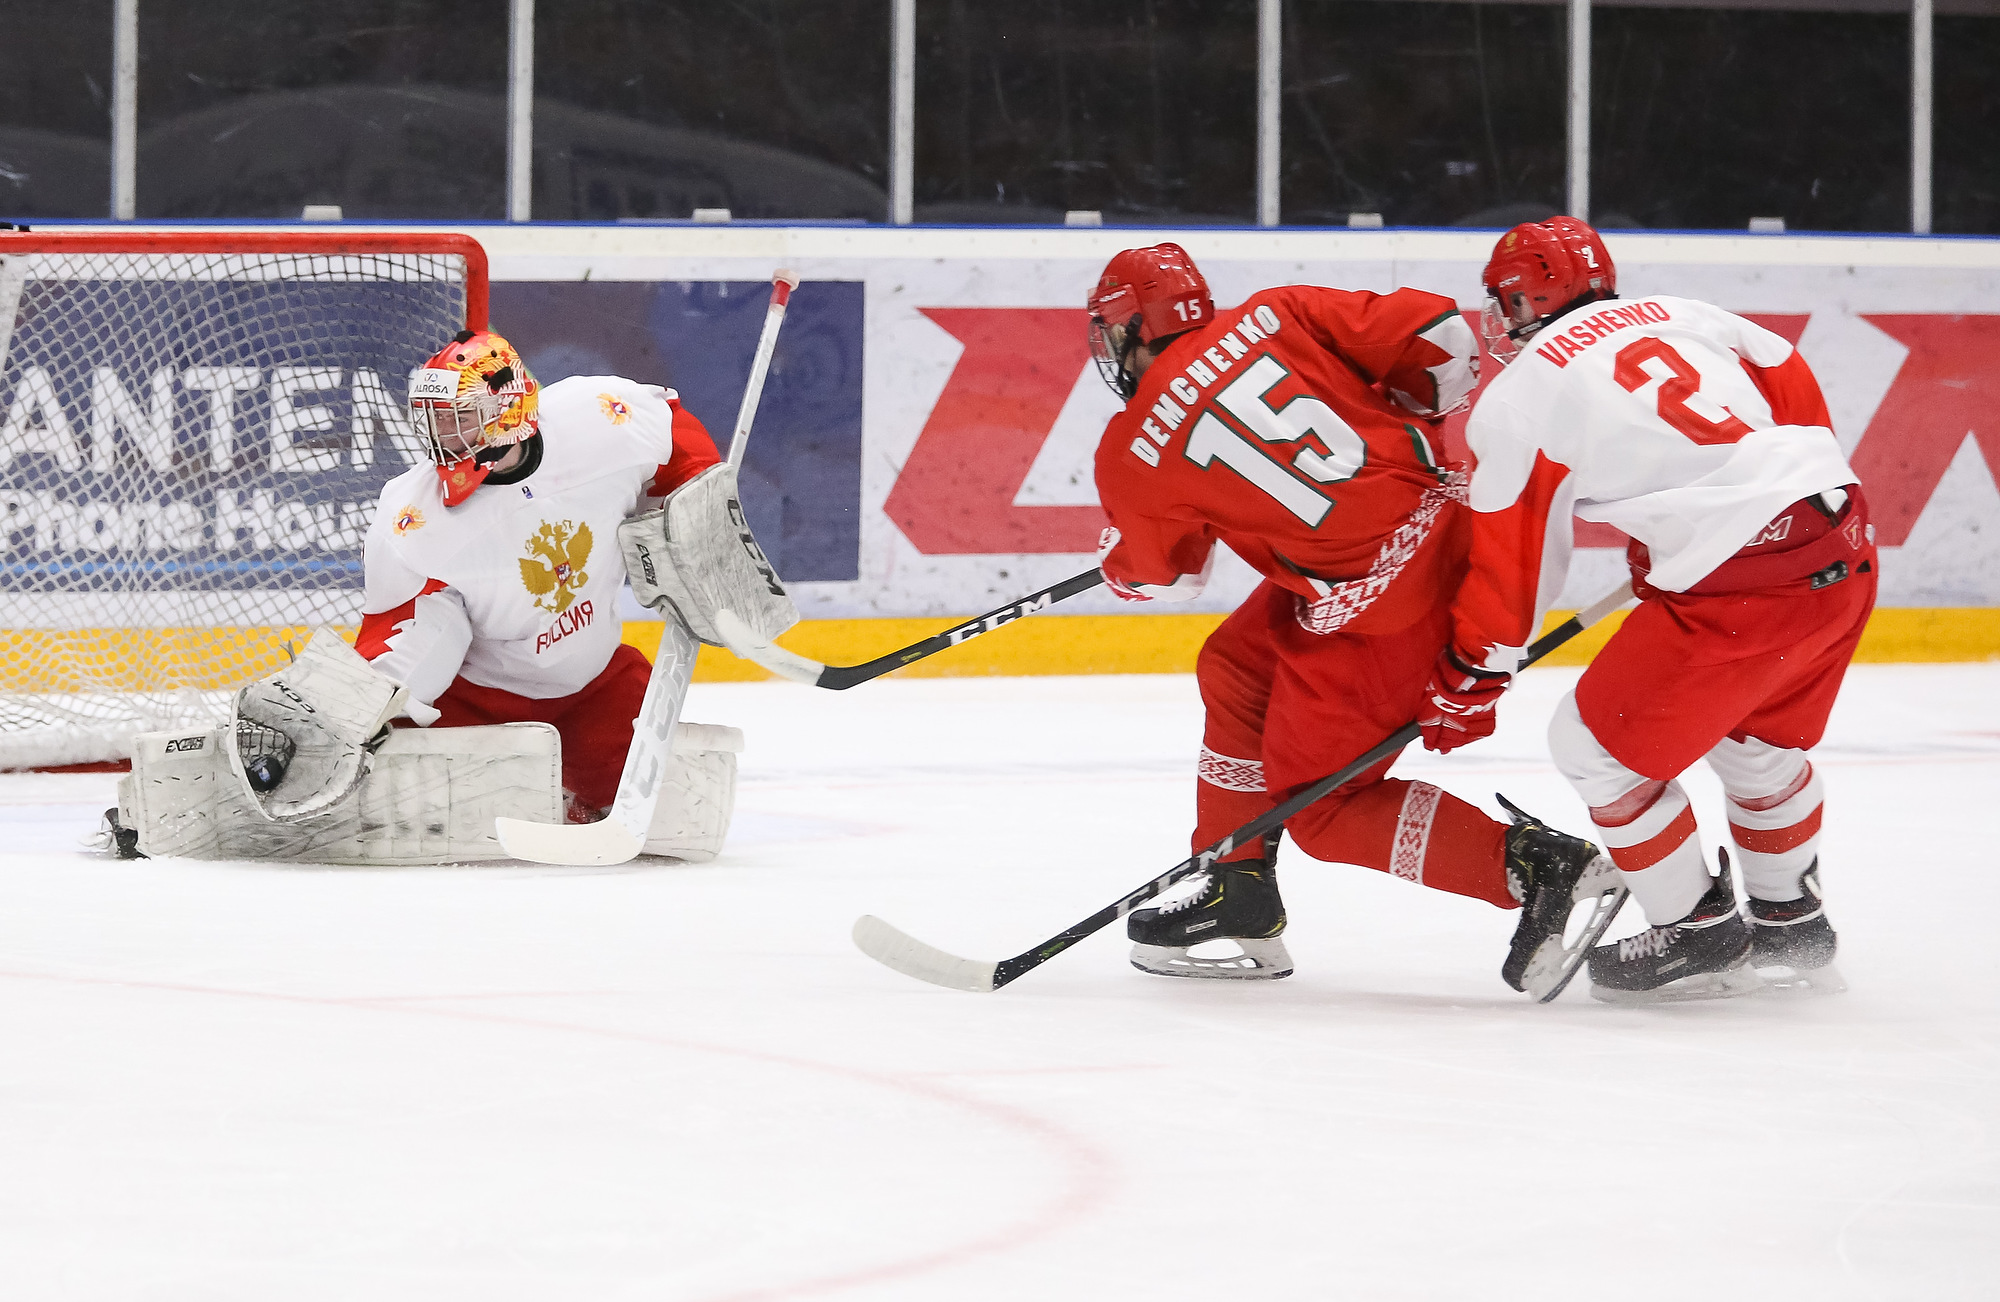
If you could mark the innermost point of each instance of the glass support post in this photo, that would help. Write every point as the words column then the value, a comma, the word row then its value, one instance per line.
column 1579, row 109
column 1921, row 91
column 521, row 110
column 1270, row 30
column 902, row 111
column 125, row 110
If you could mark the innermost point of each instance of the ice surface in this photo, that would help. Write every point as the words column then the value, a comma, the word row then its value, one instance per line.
column 273, row 1081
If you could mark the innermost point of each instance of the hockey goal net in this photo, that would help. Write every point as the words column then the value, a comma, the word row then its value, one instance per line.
column 195, row 429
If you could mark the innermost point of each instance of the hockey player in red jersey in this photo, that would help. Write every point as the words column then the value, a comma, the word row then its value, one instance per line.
column 1704, row 437
column 1301, row 430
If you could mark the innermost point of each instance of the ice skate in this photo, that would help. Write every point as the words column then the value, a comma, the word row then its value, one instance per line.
column 1551, row 872
column 1238, row 902
column 1702, row 956
column 1792, row 944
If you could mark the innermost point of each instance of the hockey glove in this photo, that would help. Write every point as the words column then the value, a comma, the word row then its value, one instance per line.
column 329, row 706
column 1460, row 703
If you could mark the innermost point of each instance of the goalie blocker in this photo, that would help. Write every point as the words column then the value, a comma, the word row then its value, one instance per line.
column 696, row 557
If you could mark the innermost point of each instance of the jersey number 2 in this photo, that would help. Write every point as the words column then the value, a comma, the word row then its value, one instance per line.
column 1680, row 400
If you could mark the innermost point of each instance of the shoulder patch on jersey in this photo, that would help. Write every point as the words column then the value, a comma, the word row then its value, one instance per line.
column 553, row 569
column 614, row 408
column 407, row 520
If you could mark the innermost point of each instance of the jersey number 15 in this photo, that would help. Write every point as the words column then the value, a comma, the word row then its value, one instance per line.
column 1212, row 440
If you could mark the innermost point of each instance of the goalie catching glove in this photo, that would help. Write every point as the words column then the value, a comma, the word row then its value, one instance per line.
column 1461, row 703
column 696, row 556
column 304, row 734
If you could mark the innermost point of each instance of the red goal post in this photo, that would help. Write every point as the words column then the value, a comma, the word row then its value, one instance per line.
column 193, row 430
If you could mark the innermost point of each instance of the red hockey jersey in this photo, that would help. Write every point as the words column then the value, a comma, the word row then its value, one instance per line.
column 1299, row 429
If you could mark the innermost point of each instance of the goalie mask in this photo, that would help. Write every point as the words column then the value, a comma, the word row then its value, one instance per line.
column 1143, row 296
column 1540, row 270
column 472, row 402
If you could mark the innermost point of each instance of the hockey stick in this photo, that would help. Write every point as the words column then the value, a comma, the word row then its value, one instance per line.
column 621, row 834
column 912, row 957
column 800, row 669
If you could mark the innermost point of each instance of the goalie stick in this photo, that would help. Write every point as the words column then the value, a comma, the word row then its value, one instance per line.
column 800, row 669
column 621, row 834
column 912, row 957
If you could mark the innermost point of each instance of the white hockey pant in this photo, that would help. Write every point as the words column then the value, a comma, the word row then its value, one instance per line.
column 1647, row 825
column 430, row 797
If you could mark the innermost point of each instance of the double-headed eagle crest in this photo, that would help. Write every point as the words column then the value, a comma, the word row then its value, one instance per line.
column 553, row 569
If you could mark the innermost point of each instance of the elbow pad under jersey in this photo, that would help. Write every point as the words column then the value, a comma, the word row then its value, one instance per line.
column 421, row 644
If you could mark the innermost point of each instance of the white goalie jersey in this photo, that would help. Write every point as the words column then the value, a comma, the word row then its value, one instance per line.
column 516, row 588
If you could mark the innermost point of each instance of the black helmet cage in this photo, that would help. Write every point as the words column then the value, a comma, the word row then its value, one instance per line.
column 1111, row 347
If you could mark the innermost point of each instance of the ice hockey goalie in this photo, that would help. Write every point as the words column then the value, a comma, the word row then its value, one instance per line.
column 490, row 624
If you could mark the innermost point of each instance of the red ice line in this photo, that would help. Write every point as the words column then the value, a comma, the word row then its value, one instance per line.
column 1091, row 1171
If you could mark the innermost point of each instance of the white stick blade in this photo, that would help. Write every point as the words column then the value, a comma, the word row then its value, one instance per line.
column 739, row 638
column 570, row 844
column 910, row 956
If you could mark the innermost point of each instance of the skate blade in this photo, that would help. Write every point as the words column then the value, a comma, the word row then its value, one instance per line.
column 1782, row 981
column 1599, row 879
column 1261, row 960
column 1559, row 958
column 1727, row 984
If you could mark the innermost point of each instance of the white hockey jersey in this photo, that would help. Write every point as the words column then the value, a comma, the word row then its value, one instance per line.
column 516, row 588
column 1685, row 426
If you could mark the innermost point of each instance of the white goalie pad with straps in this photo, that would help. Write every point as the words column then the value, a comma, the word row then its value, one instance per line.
column 697, row 795
column 326, row 707
column 696, row 555
column 430, row 797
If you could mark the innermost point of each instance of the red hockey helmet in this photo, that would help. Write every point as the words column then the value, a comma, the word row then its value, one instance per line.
column 472, row 401
column 1144, row 295
column 1538, row 270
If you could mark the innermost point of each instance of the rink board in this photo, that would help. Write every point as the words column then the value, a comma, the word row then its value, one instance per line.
column 1168, row 644
column 980, row 409
column 924, row 449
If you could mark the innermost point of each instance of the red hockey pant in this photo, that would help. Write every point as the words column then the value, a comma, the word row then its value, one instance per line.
column 1684, row 672
column 1287, row 707
column 1745, row 679
column 595, row 724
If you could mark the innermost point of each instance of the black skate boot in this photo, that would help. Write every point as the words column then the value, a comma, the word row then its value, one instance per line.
column 1550, row 872
column 1239, row 902
column 1792, row 944
column 1702, row 956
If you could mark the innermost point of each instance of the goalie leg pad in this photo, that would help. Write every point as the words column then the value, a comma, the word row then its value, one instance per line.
column 328, row 704
column 430, row 797
column 696, row 555
column 698, row 794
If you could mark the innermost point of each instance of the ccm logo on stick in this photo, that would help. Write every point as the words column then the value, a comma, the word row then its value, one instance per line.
column 995, row 620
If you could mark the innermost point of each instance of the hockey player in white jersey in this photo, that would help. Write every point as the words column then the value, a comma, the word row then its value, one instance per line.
column 1704, row 438
column 491, row 619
